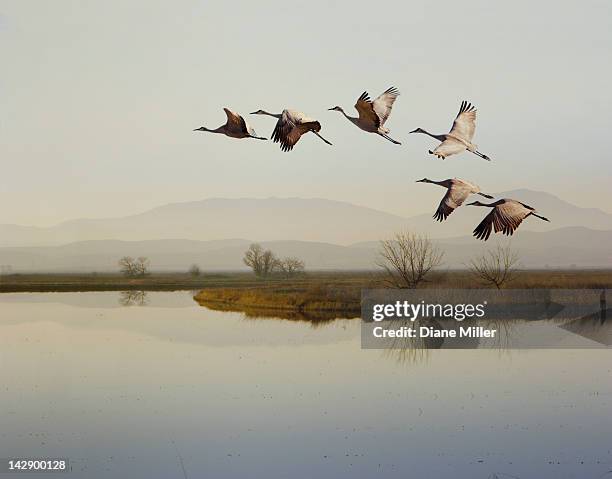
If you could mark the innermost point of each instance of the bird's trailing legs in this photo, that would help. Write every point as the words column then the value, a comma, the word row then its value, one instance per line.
column 485, row 195
column 484, row 157
column 257, row 137
column 317, row 133
column 387, row 137
column 541, row 217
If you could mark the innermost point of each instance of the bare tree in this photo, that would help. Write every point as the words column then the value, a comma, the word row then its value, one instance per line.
column 253, row 258
column 134, row 267
column 126, row 266
column 195, row 270
column 291, row 266
column 495, row 267
column 270, row 263
column 142, row 266
column 262, row 262
column 408, row 258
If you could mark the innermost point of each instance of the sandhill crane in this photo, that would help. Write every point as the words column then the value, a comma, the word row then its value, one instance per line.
column 459, row 138
column 235, row 127
column 457, row 191
column 373, row 114
column 506, row 217
column 290, row 127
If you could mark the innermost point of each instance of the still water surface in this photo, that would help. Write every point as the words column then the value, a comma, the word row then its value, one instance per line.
column 156, row 386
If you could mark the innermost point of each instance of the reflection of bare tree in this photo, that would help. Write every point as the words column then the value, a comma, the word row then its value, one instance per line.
column 416, row 350
column 411, row 350
column 133, row 298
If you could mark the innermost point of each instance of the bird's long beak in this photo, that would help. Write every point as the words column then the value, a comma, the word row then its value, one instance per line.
column 253, row 113
column 420, row 181
column 475, row 203
column 330, row 109
column 414, row 131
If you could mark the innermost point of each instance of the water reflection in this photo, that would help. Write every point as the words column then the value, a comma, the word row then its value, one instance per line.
column 120, row 390
column 519, row 319
column 596, row 327
column 133, row 298
column 315, row 319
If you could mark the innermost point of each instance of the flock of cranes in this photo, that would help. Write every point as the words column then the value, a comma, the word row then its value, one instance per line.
column 506, row 214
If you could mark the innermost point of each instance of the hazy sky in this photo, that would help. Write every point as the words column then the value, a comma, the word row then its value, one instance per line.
column 98, row 100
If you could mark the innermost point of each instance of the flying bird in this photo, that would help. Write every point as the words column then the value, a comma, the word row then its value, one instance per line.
column 459, row 138
column 506, row 217
column 235, row 127
column 373, row 114
column 290, row 127
column 457, row 191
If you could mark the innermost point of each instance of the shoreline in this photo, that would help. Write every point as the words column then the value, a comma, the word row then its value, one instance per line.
column 334, row 286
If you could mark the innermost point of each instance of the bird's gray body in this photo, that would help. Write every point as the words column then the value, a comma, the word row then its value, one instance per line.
column 373, row 114
column 457, row 191
column 459, row 138
column 235, row 127
column 505, row 217
column 290, row 127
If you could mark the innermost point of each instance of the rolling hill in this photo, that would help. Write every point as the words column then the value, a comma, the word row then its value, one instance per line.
column 273, row 219
column 561, row 248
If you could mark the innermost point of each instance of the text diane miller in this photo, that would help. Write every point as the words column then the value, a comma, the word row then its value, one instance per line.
column 429, row 332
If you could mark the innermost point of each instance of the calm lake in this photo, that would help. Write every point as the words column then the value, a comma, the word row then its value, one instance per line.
column 155, row 386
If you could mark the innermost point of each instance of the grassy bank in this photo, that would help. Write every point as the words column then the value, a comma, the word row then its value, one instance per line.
column 303, row 299
column 341, row 293
column 326, row 288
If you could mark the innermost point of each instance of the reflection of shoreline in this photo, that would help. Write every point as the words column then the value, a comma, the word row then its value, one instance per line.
column 311, row 316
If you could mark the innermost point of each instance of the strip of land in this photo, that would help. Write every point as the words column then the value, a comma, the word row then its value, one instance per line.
column 313, row 284
column 341, row 294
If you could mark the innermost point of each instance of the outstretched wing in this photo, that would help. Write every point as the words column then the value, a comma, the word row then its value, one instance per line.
column 290, row 127
column 366, row 111
column 453, row 199
column 285, row 132
column 505, row 218
column 448, row 147
column 465, row 122
column 235, row 121
column 384, row 103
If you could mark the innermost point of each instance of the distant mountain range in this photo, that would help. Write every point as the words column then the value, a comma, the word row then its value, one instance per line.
column 326, row 234
column 561, row 248
column 300, row 219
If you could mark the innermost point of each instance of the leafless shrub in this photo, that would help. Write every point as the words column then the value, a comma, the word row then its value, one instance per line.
column 132, row 268
column 408, row 258
column 291, row 266
column 262, row 262
column 495, row 267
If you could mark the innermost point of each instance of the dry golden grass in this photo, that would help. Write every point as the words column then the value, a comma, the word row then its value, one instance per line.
column 341, row 292
column 316, row 297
